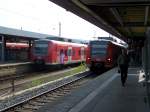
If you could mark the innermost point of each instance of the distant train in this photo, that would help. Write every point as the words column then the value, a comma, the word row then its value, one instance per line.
column 12, row 45
column 16, row 51
column 102, row 54
column 52, row 52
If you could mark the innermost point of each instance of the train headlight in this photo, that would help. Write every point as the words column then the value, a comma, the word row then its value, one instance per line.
column 109, row 60
column 89, row 58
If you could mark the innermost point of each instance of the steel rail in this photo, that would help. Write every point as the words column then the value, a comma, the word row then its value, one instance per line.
column 48, row 91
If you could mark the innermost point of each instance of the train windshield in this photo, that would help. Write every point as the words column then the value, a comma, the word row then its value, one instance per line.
column 98, row 48
column 41, row 48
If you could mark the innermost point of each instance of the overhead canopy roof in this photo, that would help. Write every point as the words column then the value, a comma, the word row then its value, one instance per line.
column 122, row 18
column 21, row 33
column 28, row 35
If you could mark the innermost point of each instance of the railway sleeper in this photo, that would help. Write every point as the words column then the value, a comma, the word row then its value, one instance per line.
column 34, row 103
column 42, row 101
column 31, row 107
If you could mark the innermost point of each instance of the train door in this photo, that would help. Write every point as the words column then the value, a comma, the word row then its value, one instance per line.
column 62, row 56
column 82, row 53
column 69, row 54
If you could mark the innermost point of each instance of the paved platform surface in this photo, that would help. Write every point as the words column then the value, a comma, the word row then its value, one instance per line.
column 13, row 63
column 105, row 94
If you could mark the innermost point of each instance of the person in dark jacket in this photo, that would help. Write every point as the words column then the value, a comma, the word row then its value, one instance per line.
column 123, row 64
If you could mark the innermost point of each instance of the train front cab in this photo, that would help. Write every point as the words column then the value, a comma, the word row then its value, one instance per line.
column 102, row 54
column 40, row 52
column 96, row 55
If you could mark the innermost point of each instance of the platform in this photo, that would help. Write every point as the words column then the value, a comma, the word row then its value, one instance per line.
column 8, row 64
column 105, row 94
column 12, row 68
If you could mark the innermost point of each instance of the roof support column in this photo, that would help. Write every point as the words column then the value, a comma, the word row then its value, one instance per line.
column 3, row 44
column 147, row 53
column 146, row 15
column 147, row 62
column 29, row 50
column 119, row 19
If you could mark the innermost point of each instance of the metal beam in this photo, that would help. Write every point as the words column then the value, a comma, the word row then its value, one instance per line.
column 86, row 9
column 116, row 15
column 119, row 19
column 114, row 1
column 121, row 5
column 103, row 24
column 130, row 24
column 117, row 3
column 146, row 15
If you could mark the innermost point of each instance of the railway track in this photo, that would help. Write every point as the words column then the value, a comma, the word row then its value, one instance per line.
column 18, row 75
column 21, row 83
column 50, row 95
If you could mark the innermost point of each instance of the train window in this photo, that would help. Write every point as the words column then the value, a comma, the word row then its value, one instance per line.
column 98, row 48
column 98, row 42
column 41, row 47
column 98, row 52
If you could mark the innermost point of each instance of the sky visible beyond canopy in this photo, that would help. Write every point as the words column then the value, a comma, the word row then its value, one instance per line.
column 42, row 16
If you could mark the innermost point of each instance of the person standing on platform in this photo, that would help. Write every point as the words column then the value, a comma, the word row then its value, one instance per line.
column 123, row 64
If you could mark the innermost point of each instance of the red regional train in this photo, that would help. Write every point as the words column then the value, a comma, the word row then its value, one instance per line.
column 52, row 52
column 102, row 54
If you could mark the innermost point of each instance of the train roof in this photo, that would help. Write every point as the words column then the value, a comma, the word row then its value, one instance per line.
column 66, row 39
column 124, row 46
column 62, row 42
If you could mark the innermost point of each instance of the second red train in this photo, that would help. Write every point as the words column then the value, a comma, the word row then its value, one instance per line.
column 102, row 54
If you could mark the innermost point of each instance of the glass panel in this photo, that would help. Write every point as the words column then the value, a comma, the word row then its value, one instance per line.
column 40, row 48
column 98, row 48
